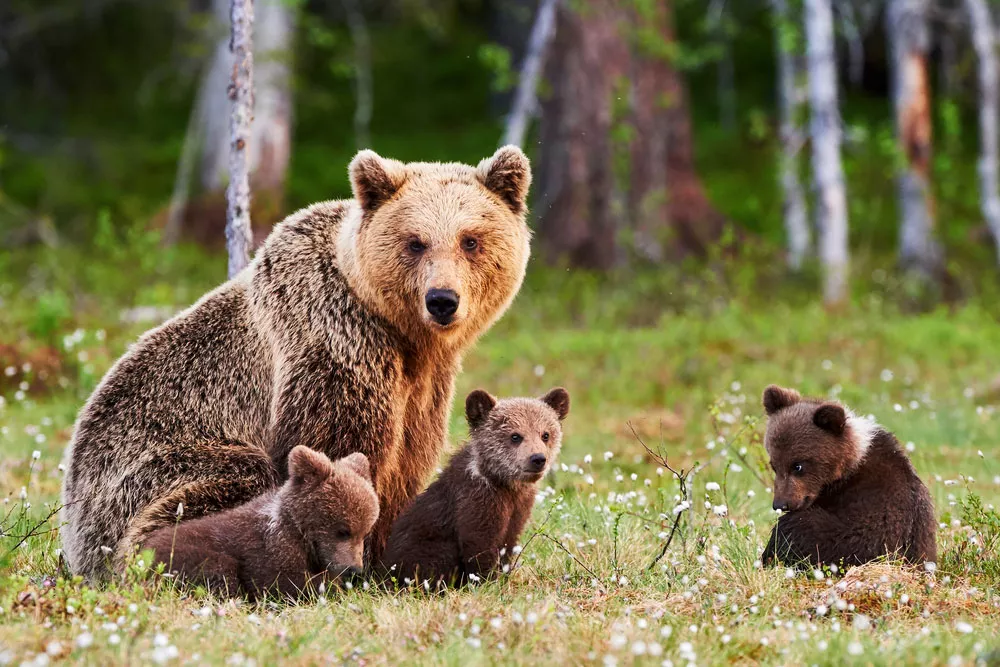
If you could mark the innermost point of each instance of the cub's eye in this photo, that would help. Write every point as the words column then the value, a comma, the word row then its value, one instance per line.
column 797, row 469
column 545, row 436
column 343, row 534
column 469, row 244
column 516, row 438
column 416, row 246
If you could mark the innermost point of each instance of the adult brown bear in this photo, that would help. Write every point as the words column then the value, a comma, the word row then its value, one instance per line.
column 344, row 334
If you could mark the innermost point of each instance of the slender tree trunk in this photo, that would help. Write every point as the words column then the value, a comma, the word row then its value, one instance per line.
column 576, row 181
column 824, row 126
column 789, row 105
column 909, row 40
column 362, row 72
column 193, row 140
column 270, row 145
column 851, row 29
column 525, row 99
column 239, row 235
column 984, row 42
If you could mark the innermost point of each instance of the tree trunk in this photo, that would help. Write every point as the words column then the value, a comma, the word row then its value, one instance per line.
column 575, row 176
column 789, row 106
column 525, row 99
column 909, row 40
column 984, row 42
column 362, row 72
column 270, row 145
column 824, row 126
column 694, row 221
column 648, row 182
column 239, row 236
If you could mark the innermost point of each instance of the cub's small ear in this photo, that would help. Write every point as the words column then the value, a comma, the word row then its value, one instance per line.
column 558, row 400
column 831, row 418
column 358, row 462
column 776, row 398
column 307, row 466
column 374, row 179
column 477, row 407
column 507, row 174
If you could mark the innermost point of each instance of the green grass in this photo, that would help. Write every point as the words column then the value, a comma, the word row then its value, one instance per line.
column 678, row 357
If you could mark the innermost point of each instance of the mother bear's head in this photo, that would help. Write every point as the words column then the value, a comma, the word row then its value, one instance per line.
column 439, row 250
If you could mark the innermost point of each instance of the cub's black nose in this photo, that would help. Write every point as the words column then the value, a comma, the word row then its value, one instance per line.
column 536, row 462
column 441, row 304
column 779, row 505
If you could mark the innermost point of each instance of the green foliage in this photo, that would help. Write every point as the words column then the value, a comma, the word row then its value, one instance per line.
column 496, row 59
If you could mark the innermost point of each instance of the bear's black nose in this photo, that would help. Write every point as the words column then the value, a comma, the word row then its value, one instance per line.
column 536, row 462
column 441, row 304
column 779, row 505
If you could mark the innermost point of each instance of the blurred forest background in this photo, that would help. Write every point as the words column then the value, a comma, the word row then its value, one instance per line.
column 805, row 136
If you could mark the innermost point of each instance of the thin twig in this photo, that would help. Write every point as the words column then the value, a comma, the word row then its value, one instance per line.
column 570, row 554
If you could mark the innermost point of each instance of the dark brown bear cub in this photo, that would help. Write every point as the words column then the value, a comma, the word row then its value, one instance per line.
column 310, row 530
column 848, row 490
column 466, row 524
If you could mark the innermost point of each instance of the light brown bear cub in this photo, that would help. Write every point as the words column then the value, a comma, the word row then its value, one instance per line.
column 310, row 530
column 466, row 524
column 849, row 492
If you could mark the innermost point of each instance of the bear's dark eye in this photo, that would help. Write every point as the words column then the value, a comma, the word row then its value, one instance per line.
column 796, row 468
column 469, row 244
column 343, row 534
column 416, row 246
column 516, row 438
column 545, row 436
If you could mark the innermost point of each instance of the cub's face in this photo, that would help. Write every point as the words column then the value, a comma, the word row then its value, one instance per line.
column 811, row 444
column 516, row 439
column 440, row 249
column 335, row 507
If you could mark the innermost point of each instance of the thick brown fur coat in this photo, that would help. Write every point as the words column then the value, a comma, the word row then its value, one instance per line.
column 327, row 339
column 468, row 521
column 849, row 492
column 308, row 532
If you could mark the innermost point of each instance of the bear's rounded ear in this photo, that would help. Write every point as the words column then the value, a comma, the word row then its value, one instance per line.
column 358, row 463
column 831, row 417
column 477, row 407
column 307, row 466
column 558, row 400
column 776, row 398
column 374, row 179
column 507, row 174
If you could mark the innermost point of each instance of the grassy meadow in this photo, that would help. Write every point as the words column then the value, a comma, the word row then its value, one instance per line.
column 673, row 359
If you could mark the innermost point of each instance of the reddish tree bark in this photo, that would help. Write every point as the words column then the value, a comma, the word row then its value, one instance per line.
column 591, row 68
column 695, row 221
column 589, row 58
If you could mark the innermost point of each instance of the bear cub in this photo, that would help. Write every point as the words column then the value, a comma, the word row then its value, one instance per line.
column 466, row 524
column 848, row 491
column 309, row 531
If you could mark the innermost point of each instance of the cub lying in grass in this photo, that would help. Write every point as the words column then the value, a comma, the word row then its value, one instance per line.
column 849, row 492
column 467, row 522
column 310, row 530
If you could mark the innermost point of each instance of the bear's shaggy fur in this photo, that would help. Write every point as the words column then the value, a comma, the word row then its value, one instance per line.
column 309, row 531
column 344, row 334
column 849, row 492
column 468, row 521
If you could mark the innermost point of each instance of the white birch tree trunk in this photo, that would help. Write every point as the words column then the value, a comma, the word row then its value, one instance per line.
column 824, row 127
column 984, row 42
column 239, row 235
column 525, row 101
column 270, row 149
column 789, row 105
column 362, row 72
column 909, row 39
